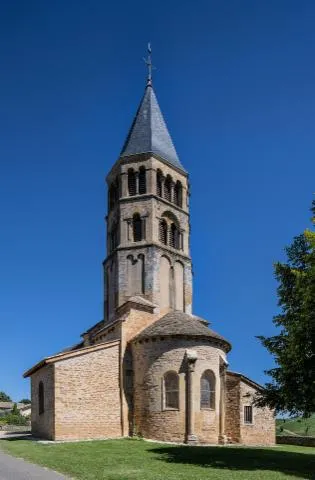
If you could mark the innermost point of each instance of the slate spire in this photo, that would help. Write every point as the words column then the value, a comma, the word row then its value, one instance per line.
column 149, row 133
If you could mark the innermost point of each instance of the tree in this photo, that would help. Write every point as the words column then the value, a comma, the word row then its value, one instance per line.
column 4, row 397
column 15, row 410
column 26, row 401
column 292, row 388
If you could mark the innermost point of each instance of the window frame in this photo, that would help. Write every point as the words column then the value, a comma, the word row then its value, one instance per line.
column 165, row 406
column 210, row 376
column 246, row 422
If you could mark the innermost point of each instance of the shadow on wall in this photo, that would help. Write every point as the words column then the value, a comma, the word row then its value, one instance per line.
column 245, row 459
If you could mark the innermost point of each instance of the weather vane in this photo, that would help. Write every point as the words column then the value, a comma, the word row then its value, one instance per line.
column 148, row 62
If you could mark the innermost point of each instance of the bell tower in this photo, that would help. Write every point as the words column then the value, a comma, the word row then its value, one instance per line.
column 148, row 224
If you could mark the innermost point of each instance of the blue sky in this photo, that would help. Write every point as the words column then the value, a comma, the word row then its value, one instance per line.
column 235, row 81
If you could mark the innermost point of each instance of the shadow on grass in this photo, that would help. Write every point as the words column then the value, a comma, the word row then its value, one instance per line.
column 241, row 458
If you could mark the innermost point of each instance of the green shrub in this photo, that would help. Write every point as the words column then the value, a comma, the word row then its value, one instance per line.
column 12, row 419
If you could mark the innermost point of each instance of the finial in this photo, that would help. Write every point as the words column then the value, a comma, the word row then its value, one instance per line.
column 148, row 62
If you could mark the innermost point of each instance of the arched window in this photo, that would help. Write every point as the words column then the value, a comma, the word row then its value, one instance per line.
column 175, row 236
column 41, row 398
column 142, row 181
column 178, row 194
column 168, row 188
column 137, row 228
column 163, row 231
column 132, row 185
column 171, row 390
column 159, row 182
column 207, row 390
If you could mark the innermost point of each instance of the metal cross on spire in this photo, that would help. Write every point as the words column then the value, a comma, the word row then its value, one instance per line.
column 148, row 62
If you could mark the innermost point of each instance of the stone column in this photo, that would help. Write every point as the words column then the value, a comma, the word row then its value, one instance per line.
column 222, row 436
column 151, row 181
column 137, row 182
column 191, row 438
column 172, row 191
column 124, row 184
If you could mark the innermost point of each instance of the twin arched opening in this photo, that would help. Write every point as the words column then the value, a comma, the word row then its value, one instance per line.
column 169, row 231
column 168, row 189
column 137, row 184
column 171, row 284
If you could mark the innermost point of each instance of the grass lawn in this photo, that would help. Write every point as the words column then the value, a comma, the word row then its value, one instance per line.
column 298, row 426
column 140, row 460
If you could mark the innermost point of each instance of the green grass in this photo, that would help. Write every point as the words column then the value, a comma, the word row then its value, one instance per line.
column 130, row 459
column 297, row 426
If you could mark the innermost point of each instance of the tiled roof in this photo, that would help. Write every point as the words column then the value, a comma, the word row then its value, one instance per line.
column 149, row 133
column 178, row 323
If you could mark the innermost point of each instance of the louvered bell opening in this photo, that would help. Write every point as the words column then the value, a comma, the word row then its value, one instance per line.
column 174, row 237
column 142, row 181
column 159, row 184
column 132, row 186
column 178, row 194
column 168, row 190
column 163, row 232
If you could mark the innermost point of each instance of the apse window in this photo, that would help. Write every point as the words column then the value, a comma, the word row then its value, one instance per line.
column 171, row 391
column 248, row 414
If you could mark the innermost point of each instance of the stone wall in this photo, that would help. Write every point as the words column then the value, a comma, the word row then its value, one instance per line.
column 262, row 430
column 87, row 403
column 43, row 425
column 152, row 360
column 295, row 440
column 240, row 393
column 232, row 408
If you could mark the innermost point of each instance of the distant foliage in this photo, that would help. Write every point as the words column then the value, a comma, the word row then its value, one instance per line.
column 15, row 410
column 11, row 419
column 293, row 379
column 26, row 401
column 4, row 397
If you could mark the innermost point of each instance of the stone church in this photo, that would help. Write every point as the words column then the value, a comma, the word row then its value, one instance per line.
column 151, row 367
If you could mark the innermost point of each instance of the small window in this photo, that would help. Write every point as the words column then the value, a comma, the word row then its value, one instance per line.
column 163, row 232
column 132, row 184
column 207, row 390
column 41, row 399
column 248, row 414
column 171, row 390
column 137, row 228
column 142, row 181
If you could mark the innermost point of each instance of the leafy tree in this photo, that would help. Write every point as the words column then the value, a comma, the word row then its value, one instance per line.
column 26, row 401
column 4, row 397
column 15, row 410
column 292, row 388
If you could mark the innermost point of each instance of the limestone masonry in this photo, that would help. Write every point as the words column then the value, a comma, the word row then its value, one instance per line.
column 150, row 367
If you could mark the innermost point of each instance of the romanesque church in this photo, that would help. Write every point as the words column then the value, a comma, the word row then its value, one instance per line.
column 151, row 367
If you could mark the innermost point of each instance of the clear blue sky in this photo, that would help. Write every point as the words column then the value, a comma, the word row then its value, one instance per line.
column 235, row 81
